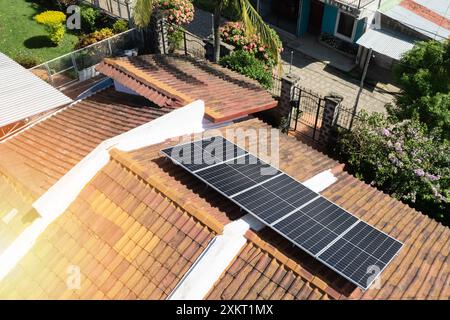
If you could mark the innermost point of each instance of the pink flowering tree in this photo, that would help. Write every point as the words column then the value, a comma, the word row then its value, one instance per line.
column 402, row 159
column 178, row 13
column 234, row 33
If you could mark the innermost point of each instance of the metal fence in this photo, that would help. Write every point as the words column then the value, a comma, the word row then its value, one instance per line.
column 180, row 40
column 307, row 114
column 346, row 117
column 116, row 8
column 79, row 65
column 275, row 90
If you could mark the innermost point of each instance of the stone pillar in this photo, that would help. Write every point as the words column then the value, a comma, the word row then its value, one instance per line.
column 330, row 115
column 288, row 82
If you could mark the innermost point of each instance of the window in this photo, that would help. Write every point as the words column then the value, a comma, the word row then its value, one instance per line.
column 345, row 25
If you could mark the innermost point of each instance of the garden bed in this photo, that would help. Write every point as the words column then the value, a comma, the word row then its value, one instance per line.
column 29, row 42
column 23, row 39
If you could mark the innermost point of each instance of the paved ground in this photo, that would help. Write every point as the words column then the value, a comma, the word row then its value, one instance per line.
column 316, row 75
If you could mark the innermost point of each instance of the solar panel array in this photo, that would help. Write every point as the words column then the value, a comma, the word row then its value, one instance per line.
column 349, row 246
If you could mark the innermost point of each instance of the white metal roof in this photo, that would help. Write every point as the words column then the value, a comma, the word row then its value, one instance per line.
column 419, row 23
column 386, row 42
column 22, row 94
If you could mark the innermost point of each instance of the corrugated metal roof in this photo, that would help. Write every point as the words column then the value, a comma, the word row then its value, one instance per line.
column 419, row 23
column 22, row 94
column 386, row 42
column 441, row 7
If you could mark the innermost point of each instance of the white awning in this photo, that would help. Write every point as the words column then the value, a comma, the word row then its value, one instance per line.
column 386, row 42
column 22, row 94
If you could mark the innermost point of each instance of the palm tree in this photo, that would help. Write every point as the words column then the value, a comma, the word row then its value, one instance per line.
column 252, row 21
column 253, row 24
column 142, row 12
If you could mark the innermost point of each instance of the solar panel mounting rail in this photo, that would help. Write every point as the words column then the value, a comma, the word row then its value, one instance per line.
column 327, row 232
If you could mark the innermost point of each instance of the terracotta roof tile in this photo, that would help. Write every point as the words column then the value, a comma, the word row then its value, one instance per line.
column 142, row 222
column 116, row 261
column 177, row 80
column 40, row 155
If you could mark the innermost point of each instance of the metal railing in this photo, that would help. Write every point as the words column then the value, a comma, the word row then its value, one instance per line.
column 79, row 65
column 116, row 8
column 186, row 42
column 358, row 4
column 275, row 90
column 346, row 117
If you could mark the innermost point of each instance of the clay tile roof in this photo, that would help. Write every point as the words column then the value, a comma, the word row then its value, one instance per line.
column 128, row 240
column 139, row 225
column 177, row 80
column 270, row 267
column 39, row 156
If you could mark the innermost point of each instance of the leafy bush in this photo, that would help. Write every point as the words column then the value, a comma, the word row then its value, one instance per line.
column 175, row 38
column 120, row 26
column 53, row 21
column 234, row 33
column 402, row 159
column 424, row 75
column 247, row 64
column 94, row 37
column 26, row 61
column 229, row 12
column 57, row 34
column 89, row 18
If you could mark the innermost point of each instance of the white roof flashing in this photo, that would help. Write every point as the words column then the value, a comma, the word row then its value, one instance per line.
column 212, row 263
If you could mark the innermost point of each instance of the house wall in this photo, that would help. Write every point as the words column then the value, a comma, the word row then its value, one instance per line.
column 329, row 18
column 305, row 7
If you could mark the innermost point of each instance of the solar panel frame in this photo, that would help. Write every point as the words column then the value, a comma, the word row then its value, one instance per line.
column 316, row 256
column 199, row 167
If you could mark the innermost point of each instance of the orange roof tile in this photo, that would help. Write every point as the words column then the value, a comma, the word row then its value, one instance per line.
column 177, row 80
column 138, row 226
column 39, row 156
column 120, row 250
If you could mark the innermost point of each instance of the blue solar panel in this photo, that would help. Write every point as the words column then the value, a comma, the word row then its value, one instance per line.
column 349, row 246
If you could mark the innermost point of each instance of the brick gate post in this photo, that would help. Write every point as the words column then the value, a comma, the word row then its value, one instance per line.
column 330, row 115
column 288, row 82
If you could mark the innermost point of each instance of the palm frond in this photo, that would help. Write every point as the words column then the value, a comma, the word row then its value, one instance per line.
column 253, row 23
column 142, row 12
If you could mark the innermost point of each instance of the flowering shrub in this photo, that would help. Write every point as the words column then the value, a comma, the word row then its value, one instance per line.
column 178, row 12
column 53, row 21
column 50, row 17
column 403, row 160
column 234, row 33
column 94, row 37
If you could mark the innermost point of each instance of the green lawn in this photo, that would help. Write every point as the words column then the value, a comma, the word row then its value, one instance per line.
column 21, row 36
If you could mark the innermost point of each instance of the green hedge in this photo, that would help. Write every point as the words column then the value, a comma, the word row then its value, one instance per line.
column 247, row 64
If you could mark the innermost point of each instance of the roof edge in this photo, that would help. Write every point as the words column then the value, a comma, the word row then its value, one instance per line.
column 147, row 80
